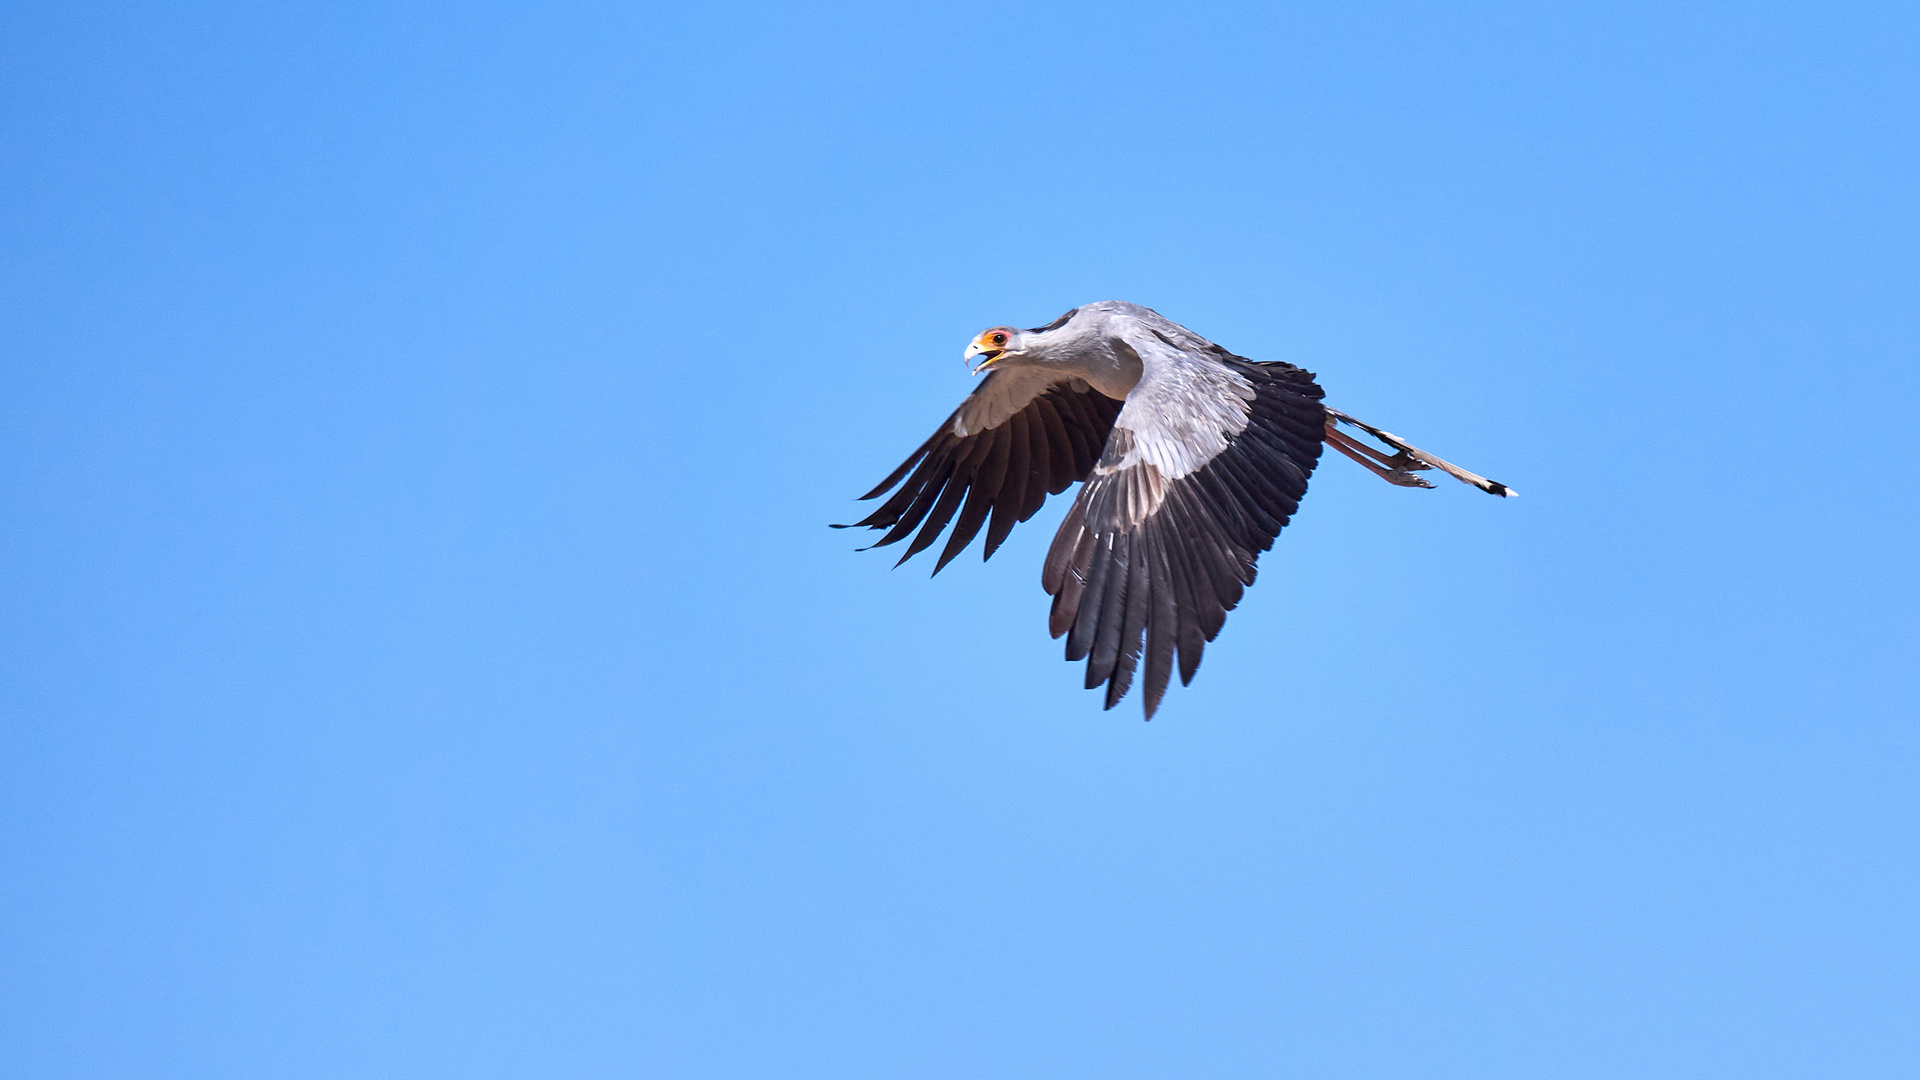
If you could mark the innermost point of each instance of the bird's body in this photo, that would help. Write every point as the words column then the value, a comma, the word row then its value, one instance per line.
column 1193, row 459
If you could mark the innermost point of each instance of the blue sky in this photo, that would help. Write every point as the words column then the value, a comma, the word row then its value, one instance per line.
column 425, row 655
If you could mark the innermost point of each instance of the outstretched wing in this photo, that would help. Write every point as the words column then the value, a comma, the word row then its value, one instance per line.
column 1019, row 437
column 1205, row 465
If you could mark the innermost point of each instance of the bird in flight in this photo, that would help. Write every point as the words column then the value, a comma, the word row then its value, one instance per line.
column 1193, row 460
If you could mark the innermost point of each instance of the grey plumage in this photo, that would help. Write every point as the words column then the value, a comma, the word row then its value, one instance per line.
column 1193, row 459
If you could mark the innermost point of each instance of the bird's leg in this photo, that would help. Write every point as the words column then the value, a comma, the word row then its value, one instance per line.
column 1397, row 469
column 1401, row 460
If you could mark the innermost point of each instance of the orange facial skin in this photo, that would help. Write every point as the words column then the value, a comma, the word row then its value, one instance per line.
column 989, row 344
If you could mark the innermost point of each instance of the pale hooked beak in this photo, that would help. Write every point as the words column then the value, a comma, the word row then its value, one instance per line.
column 977, row 349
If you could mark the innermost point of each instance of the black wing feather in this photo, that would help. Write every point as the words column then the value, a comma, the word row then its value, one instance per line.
column 1013, row 491
column 996, row 477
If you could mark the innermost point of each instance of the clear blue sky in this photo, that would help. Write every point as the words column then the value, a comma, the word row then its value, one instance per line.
column 425, row 656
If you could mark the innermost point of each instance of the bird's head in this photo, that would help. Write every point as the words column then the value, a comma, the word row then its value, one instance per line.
column 993, row 345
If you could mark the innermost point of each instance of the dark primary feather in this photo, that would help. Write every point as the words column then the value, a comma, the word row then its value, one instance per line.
column 997, row 477
column 1160, row 589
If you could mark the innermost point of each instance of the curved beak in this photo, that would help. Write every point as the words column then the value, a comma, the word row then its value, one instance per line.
column 988, row 351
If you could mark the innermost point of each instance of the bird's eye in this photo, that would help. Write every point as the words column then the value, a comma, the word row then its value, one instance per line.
column 999, row 339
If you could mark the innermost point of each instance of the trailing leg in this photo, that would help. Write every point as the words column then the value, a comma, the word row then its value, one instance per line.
column 1400, row 467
